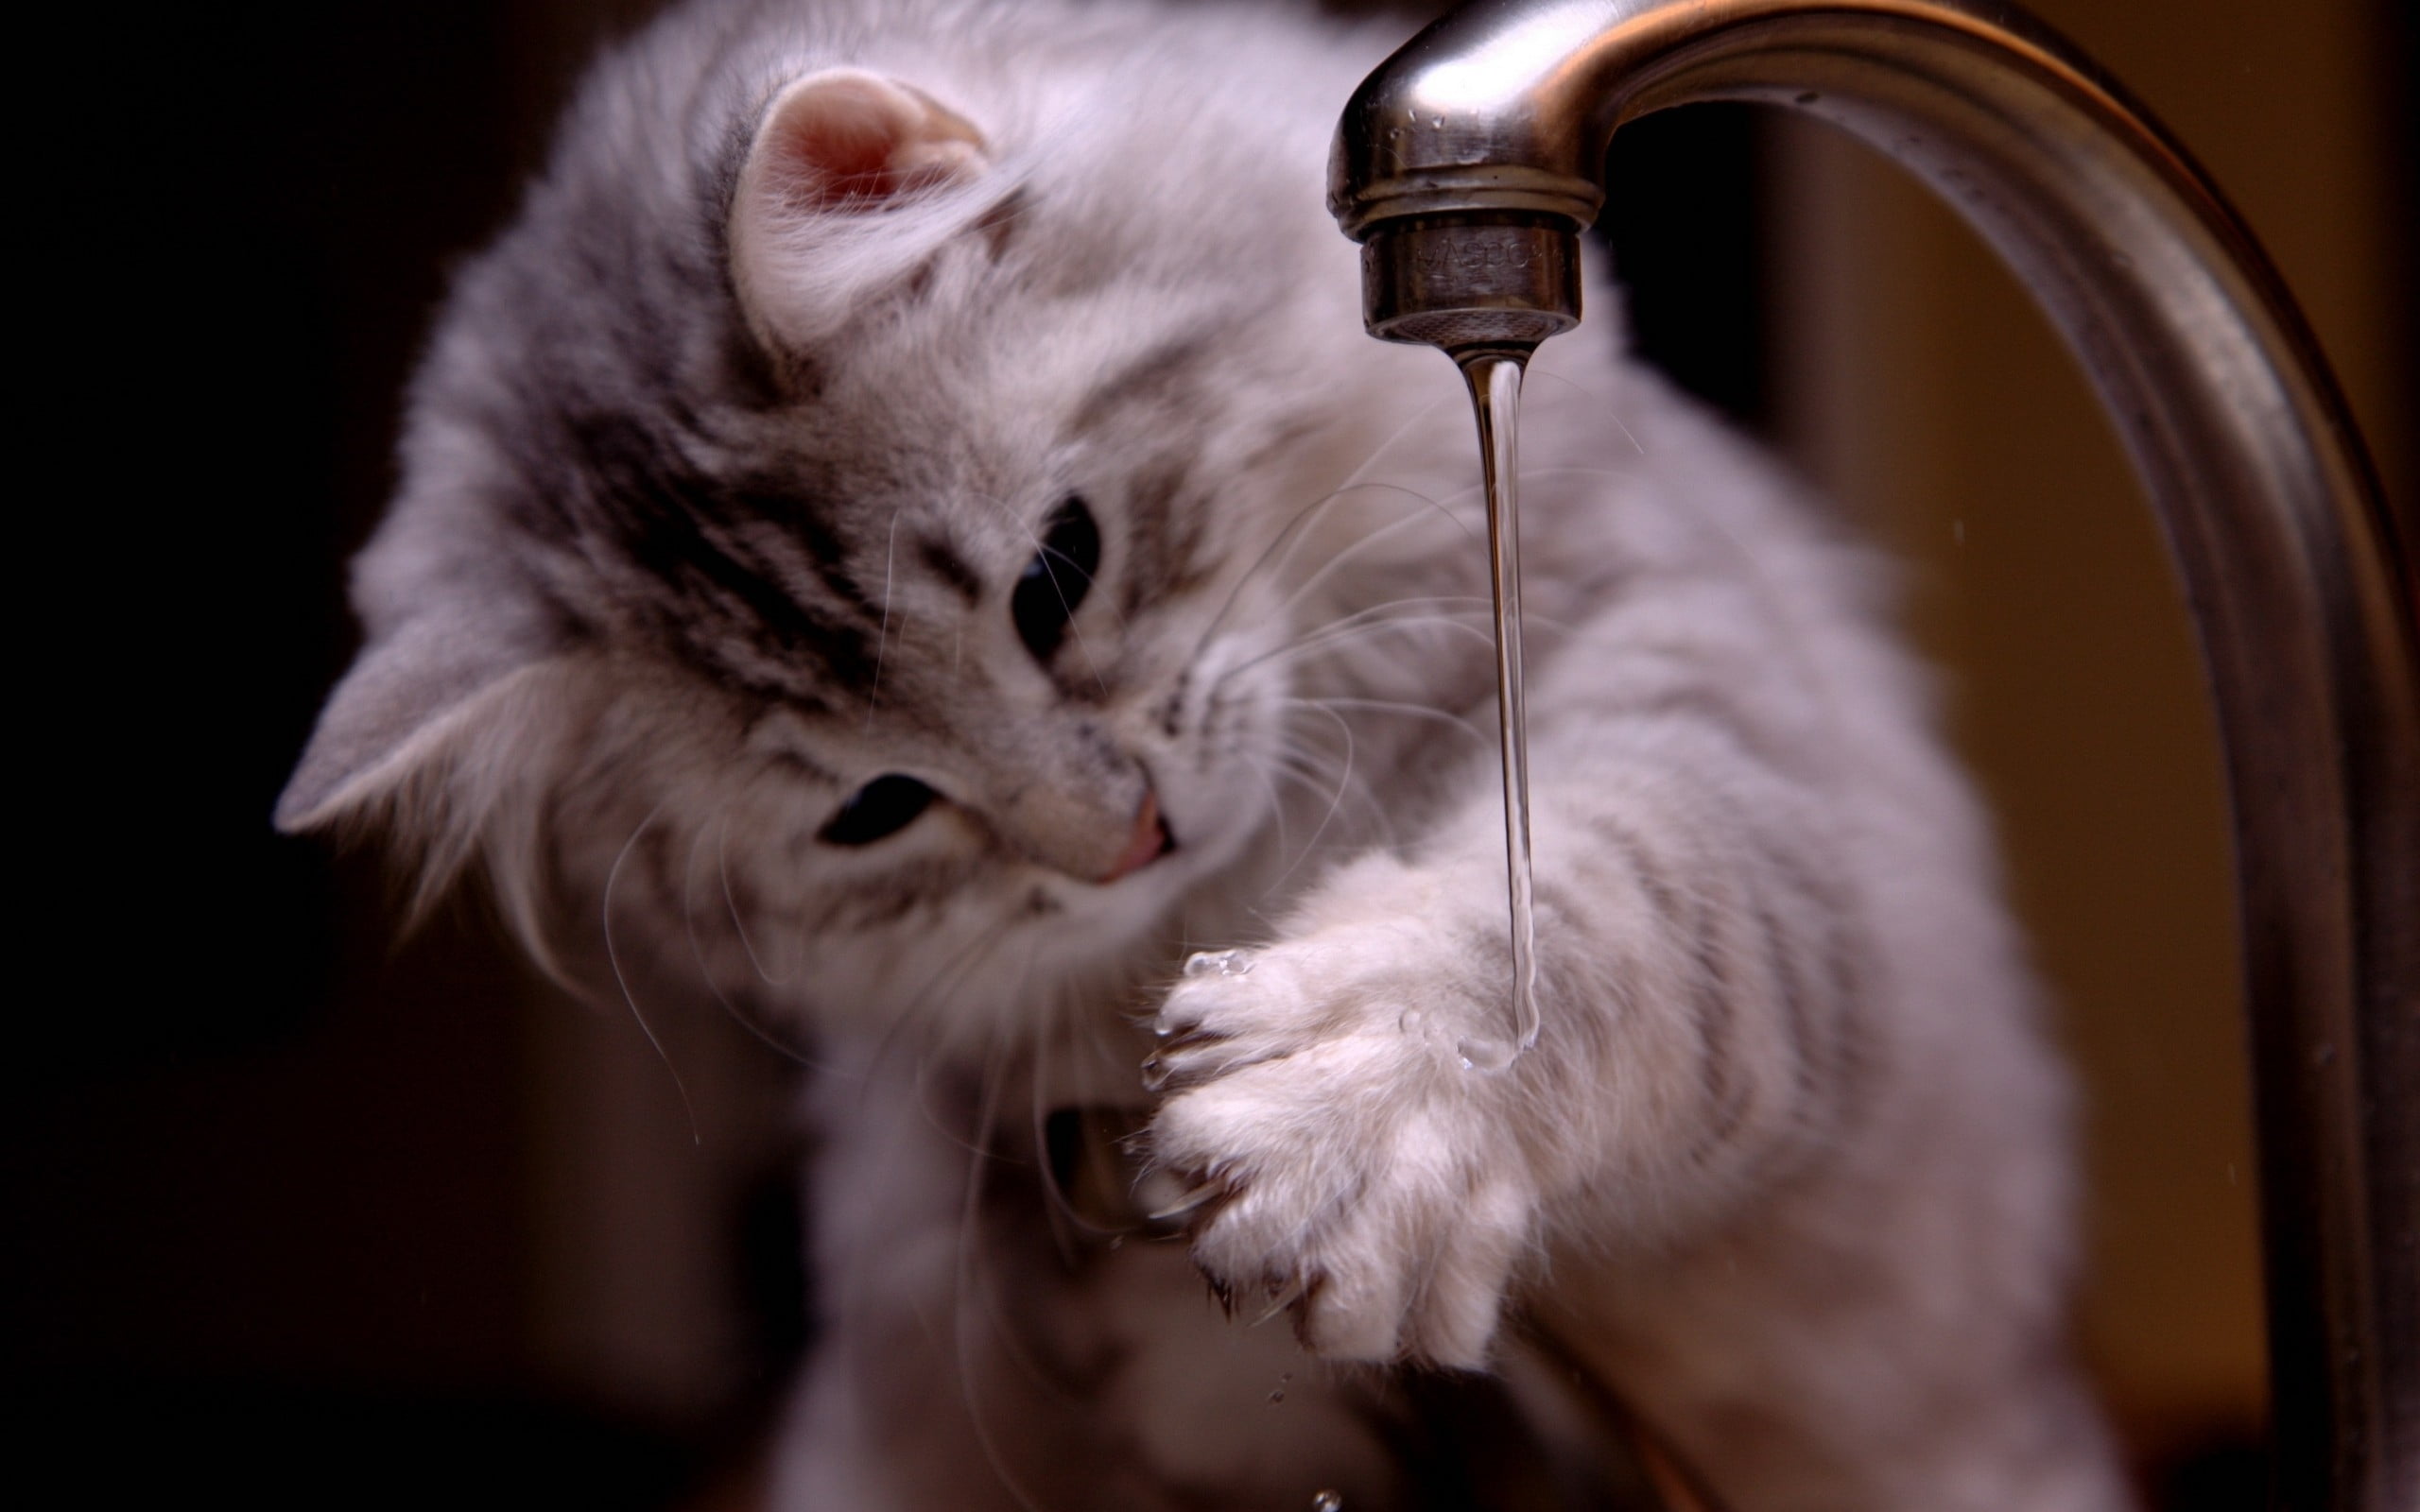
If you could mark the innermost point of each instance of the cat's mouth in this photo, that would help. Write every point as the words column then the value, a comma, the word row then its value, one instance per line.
column 1149, row 840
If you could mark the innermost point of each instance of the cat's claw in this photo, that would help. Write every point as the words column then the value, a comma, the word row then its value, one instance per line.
column 1190, row 1203
column 1283, row 1297
column 1356, row 1169
column 1190, row 1052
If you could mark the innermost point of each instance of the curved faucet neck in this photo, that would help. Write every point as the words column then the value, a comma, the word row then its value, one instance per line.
column 1469, row 163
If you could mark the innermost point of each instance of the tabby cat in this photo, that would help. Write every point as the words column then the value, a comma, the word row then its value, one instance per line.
column 909, row 495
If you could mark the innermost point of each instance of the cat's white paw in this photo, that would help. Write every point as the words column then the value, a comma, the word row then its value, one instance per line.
column 1339, row 1154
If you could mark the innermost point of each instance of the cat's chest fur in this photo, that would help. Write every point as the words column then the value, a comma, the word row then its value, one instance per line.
column 909, row 499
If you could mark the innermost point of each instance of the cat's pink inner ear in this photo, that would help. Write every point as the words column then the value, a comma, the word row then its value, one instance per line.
column 848, row 139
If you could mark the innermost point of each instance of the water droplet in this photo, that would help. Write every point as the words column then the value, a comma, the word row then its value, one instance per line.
column 1224, row 963
column 1327, row 1502
column 1277, row 1396
column 1486, row 1054
column 1412, row 1022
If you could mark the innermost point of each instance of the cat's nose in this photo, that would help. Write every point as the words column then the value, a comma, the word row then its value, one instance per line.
column 1149, row 840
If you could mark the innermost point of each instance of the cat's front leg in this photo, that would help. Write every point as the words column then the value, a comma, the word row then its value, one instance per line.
column 1699, row 1030
column 1343, row 1154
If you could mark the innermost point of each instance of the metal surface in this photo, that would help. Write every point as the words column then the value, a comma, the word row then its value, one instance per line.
column 1498, row 116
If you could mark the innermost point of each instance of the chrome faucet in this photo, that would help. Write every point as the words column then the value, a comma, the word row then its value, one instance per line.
column 1469, row 164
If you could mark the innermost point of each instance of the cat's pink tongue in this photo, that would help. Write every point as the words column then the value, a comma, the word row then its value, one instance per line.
column 1149, row 841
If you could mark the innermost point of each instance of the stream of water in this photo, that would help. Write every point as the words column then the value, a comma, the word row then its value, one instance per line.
column 1495, row 374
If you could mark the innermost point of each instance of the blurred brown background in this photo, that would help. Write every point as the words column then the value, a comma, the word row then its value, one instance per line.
column 282, row 1199
column 1918, row 382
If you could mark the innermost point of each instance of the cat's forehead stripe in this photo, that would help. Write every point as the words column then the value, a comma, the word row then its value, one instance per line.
column 689, row 557
column 746, row 545
column 789, row 519
column 1155, row 377
column 944, row 560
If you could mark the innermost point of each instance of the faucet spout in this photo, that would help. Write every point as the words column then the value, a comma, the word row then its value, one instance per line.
column 1470, row 162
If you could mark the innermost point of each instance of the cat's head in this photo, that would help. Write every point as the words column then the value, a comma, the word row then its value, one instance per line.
column 845, row 523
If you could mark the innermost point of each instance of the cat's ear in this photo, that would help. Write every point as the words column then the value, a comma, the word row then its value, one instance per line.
column 412, row 703
column 850, row 141
column 836, row 153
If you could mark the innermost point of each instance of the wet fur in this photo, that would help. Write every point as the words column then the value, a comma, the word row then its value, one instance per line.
column 683, row 556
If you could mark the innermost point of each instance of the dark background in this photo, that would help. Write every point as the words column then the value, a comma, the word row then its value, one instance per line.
column 281, row 1193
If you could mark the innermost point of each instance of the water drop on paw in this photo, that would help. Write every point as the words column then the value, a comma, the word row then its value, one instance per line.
column 1327, row 1502
column 1486, row 1054
column 1222, row 963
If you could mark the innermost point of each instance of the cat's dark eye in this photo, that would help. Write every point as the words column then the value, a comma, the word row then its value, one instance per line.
column 1057, row 579
column 880, row 809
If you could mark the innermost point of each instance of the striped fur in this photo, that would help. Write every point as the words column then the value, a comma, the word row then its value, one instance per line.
column 680, row 561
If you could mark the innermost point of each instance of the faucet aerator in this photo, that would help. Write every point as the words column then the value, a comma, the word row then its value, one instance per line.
column 1471, row 283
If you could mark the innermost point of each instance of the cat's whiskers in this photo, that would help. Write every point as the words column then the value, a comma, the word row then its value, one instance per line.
column 1540, row 388
column 970, row 1290
column 882, row 640
column 1297, row 529
column 1083, row 648
column 1335, row 800
column 731, row 903
column 1054, row 1032
column 1325, row 767
column 928, row 1005
column 914, row 1026
column 1394, row 705
column 1376, row 537
column 1315, row 783
column 1274, row 556
column 1361, row 624
column 906, row 1038
column 1249, row 575
column 1420, row 416
column 1317, row 780
column 621, row 979
column 706, row 972
column 922, row 1011
column 1293, row 533
column 1276, row 801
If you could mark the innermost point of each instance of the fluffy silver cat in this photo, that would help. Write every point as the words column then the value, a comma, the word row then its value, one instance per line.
column 910, row 495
